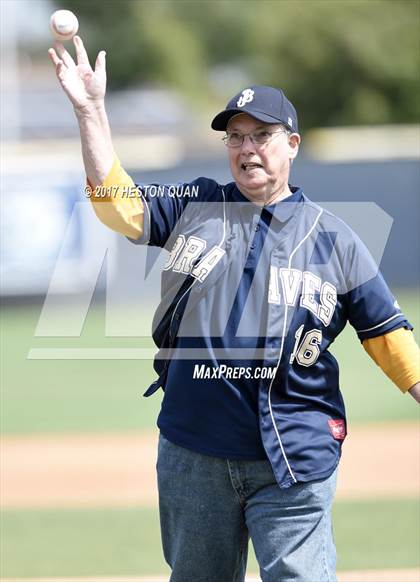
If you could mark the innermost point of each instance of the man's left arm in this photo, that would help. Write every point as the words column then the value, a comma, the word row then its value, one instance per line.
column 398, row 355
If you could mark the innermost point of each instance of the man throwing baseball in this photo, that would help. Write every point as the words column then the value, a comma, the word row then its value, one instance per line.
column 258, row 283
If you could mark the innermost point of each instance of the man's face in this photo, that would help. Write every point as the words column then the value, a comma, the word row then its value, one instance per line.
column 261, row 171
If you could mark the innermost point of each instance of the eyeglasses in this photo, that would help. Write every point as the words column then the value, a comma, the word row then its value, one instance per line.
column 234, row 139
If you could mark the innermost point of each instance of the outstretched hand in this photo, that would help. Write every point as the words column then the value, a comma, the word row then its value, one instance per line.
column 83, row 85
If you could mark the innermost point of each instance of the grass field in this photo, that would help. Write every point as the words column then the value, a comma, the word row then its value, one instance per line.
column 383, row 534
column 52, row 396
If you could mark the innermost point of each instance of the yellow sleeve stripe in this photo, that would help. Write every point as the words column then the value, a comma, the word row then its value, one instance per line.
column 117, row 203
column 398, row 355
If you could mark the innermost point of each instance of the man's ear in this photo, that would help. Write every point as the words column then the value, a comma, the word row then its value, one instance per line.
column 294, row 142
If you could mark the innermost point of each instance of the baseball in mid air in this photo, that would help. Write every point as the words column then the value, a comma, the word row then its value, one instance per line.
column 64, row 24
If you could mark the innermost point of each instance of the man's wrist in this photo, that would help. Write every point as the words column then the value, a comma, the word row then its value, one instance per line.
column 90, row 109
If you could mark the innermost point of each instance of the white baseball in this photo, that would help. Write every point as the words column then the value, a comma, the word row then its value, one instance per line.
column 64, row 24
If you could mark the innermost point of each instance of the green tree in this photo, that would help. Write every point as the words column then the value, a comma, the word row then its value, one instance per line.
column 340, row 61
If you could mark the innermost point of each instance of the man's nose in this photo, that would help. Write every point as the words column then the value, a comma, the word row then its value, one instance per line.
column 247, row 145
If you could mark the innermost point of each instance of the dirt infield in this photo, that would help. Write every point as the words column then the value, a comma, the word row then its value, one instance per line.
column 411, row 575
column 119, row 469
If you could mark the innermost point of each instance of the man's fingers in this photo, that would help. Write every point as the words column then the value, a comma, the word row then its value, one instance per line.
column 54, row 57
column 100, row 64
column 64, row 55
column 82, row 58
column 60, row 67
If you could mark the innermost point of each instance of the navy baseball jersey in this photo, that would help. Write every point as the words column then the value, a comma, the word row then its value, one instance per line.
column 252, row 297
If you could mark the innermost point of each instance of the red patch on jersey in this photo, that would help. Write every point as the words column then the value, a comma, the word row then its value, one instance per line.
column 338, row 429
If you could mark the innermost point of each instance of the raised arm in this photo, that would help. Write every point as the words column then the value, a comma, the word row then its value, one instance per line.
column 86, row 90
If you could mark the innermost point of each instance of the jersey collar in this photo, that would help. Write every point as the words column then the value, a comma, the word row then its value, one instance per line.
column 281, row 210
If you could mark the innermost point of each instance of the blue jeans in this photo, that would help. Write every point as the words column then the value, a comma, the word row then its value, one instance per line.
column 210, row 507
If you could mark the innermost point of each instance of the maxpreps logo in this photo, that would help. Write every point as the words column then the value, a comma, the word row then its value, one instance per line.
column 246, row 97
column 204, row 372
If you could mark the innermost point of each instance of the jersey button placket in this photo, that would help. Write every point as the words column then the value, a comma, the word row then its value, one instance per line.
column 255, row 228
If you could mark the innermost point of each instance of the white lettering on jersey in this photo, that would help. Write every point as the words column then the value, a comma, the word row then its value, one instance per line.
column 179, row 243
column 246, row 97
column 273, row 286
column 207, row 263
column 311, row 284
column 290, row 282
column 328, row 298
column 184, row 254
column 191, row 251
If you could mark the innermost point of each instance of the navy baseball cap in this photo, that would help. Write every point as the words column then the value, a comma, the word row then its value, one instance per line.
column 262, row 102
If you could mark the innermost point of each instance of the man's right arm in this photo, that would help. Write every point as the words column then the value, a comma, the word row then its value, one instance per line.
column 95, row 135
column 86, row 89
column 117, row 203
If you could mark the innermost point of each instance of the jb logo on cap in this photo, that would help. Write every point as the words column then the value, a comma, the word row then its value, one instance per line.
column 246, row 97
